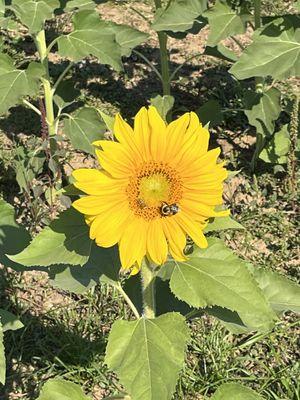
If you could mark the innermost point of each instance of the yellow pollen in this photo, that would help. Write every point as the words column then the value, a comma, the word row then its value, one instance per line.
column 152, row 184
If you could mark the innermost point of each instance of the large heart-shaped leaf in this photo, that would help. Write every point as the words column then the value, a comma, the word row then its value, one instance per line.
column 224, row 22
column 222, row 223
column 2, row 357
column 282, row 293
column 13, row 237
column 33, row 13
column 65, row 241
column 180, row 16
column 127, row 37
column 275, row 52
column 91, row 36
column 235, row 391
column 80, row 4
column 148, row 354
column 16, row 83
column 103, row 266
column 83, row 128
column 277, row 148
column 215, row 276
column 60, row 389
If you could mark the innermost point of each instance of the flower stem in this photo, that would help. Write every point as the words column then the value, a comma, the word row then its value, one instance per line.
column 148, row 288
column 164, row 57
column 259, row 81
column 40, row 41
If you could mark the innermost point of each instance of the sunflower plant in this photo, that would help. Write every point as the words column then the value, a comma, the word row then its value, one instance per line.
column 144, row 222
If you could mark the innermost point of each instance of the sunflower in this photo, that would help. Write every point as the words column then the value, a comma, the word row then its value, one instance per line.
column 158, row 184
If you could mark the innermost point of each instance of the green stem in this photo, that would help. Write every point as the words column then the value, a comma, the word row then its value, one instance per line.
column 148, row 288
column 259, row 81
column 164, row 57
column 128, row 300
column 260, row 142
column 28, row 104
column 41, row 45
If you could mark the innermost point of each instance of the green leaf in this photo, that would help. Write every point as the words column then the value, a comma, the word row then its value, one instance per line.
column 2, row 7
column 235, row 391
column 65, row 241
column 222, row 223
column 215, row 276
column 277, row 148
column 221, row 51
column 9, row 321
column 103, row 266
column 59, row 389
column 275, row 52
column 224, row 22
column 16, row 83
column 83, row 128
column 2, row 358
column 229, row 319
column 65, row 94
column 163, row 104
column 211, row 113
column 13, row 238
column 263, row 109
column 147, row 355
column 80, row 4
column 127, row 37
column 297, row 5
column 108, row 120
column 180, row 16
column 91, row 36
column 282, row 293
column 34, row 13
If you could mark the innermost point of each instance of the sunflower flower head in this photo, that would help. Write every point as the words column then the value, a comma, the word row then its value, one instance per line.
column 158, row 184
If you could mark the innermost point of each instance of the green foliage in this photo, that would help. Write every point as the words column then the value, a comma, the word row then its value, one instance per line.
column 222, row 223
column 127, row 37
column 215, row 276
column 282, row 293
column 55, row 389
column 163, row 104
column 2, row 357
column 9, row 321
column 235, row 391
column 13, row 238
column 103, row 266
column 65, row 241
column 33, row 13
column 79, row 4
column 275, row 51
column 210, row 113
column 224, row 22
column 180, row 16
column 262, row 110
column 222, row 52
column 16, row 83
column 83, row 128
column 277, row 148
column 147, row 355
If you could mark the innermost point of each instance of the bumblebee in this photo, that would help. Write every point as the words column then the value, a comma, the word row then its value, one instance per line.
column 167, row 210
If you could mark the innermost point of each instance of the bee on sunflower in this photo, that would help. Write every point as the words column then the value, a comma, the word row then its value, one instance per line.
column 158, row 184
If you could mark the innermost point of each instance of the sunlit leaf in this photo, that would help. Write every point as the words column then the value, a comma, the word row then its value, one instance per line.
column 277, row 148
column 80, row 4
column 275, row 52
column 222, row 223
column 65, row 241
column 9, row 321
column 180, row 16
column 222, row 52
column 16, row 83
column 33, row 13
column 108, row 120
column 235, row 391
column 224, row 22
column 262, row 110
column 13, row 237
column 282, row 293
column 229, row 319
column 215, row 276
column 163, row 104
column 127, row 37
column 2, row 358
column 91, row 36
column 148, row 354
column 103, row 266
column 83, row 128
column 59, row 389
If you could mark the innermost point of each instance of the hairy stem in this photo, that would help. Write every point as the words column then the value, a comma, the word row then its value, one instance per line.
column 128, row 301
column 148, row 288
column 259, row 81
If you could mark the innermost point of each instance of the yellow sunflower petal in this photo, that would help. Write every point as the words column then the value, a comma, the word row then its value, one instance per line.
column 176, row 238
column 156, row 242
column 142, row 132
column 158, row 138
column 192, row 228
